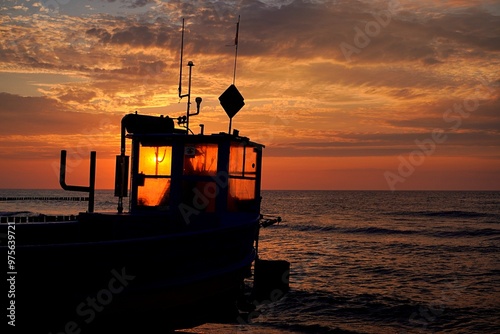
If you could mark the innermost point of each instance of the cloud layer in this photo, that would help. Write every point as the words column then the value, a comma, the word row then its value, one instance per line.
column 320, row 78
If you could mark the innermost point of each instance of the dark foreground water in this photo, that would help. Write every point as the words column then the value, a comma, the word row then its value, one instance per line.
column 367, row 262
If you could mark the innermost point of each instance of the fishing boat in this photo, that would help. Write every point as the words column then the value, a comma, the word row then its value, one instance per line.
column 173, row 254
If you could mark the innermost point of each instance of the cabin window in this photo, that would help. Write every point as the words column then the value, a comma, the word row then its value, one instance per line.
column 154, row 192
column 153, row 179
column 242, row 189
column 155, row 160
column 242, row 161
column 242, row 178
column 200, row 159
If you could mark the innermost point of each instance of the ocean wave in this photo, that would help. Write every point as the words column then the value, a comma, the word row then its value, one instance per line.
column 373, row 230
column 483, row 232
column 444, row 214
column 377, row 230
column 353, row 230
column 18, row 214
column 482, row 248
column 317, row 329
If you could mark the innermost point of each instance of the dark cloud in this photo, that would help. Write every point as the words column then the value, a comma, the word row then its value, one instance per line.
column 474, row 28
column 138, row 36
column 102, row 34
column 296, row 29
column 135, row 36
column 388, row 144
column 137, row 3
column 431, row 61
column 130, row 3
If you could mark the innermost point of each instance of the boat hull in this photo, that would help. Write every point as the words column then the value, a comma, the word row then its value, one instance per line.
column 173, row 280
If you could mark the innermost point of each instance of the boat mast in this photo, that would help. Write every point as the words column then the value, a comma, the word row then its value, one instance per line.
column 235, row 60
column 180, row 65
column 236, row 50
column 188, row 95
column 231, row 100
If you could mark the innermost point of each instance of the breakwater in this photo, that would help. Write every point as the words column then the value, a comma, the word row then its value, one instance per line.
column 35, row 219
column 44, row 198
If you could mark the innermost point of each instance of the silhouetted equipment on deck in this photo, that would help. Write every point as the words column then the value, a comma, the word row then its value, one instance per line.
column 270, row 221
column 198, row 104
column 232, row 101
column 135, row 123
column 121, row 176
column 271, row 279
column 185, row 119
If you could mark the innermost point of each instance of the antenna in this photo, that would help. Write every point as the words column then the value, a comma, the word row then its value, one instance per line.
column 185, row 119
column 236, row 48
column 231, row 100
column 180, row 66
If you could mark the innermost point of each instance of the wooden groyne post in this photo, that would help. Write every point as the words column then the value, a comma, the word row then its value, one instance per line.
column 44, row 198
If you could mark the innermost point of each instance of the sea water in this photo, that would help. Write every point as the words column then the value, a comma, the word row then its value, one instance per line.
column 363, row 261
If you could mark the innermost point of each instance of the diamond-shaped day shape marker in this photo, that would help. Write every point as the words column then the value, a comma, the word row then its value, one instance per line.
column 232, row 101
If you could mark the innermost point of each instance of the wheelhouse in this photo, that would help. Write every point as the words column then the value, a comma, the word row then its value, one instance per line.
column 187, row 176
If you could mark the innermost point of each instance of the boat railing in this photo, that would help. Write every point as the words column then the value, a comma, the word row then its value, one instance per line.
column 90, row 188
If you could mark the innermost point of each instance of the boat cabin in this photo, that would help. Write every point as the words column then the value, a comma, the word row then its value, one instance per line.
column 186, row 175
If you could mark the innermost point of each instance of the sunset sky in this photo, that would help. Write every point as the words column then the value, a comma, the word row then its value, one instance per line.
column 345, row 94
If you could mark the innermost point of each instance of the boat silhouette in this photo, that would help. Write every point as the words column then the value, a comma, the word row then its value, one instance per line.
column 175, row 256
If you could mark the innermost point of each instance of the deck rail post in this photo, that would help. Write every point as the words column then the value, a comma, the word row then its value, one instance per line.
column 90, row 188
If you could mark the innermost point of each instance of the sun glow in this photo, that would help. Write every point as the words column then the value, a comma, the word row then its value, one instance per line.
column 155, row 160
column 155, row 168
